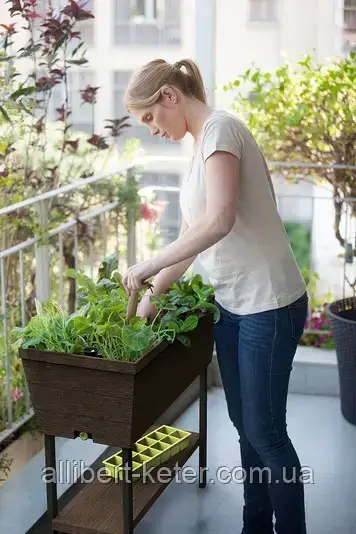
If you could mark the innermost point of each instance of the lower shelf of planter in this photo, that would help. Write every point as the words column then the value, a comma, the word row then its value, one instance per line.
column 98, row 507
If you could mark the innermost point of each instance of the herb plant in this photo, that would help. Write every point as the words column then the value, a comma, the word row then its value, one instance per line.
column 100, row 320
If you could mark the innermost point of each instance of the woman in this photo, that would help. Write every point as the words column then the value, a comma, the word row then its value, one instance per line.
column 230, row 221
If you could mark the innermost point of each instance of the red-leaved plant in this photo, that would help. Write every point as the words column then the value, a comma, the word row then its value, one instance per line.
column 40, row 150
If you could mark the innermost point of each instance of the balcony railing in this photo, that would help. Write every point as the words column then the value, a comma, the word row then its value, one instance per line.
column 36, row 251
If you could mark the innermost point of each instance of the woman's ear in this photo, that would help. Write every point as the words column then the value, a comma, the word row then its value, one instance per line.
column 169, row 94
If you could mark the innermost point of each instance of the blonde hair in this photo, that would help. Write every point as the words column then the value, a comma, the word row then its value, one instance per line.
column 144, row 88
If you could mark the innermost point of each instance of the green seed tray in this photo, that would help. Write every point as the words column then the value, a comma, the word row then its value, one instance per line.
column 173, row 444
column 139, row 447
column 112, row 464
column 150, row 451
column 183, row 438
column 163, row 449
column 114, row 469
column 157, row 436
column 182, row 435
column 146, row 442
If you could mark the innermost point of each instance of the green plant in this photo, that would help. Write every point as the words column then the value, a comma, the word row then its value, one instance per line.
column 40, row 146
column 299, row 238
column 306, row 112
column 185, row 296
column 5, row 465
column 318, row 319
column 30, row 427
column 100, row 320
column 14, row 386
column 41, row 149
column 52, row 328
column 311, row 279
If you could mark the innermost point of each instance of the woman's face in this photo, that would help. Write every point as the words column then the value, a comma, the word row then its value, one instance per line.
column 165, row 118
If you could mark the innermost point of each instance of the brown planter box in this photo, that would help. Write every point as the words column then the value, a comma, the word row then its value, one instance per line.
column 114, row 402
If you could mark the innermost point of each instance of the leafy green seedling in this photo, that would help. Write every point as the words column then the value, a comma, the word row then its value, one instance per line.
column 100, row 320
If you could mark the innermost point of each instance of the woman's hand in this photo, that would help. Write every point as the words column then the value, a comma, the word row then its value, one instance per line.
column 146, row 309
column 137, row 275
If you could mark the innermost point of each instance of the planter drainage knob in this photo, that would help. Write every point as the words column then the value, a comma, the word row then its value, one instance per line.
column 91, row 351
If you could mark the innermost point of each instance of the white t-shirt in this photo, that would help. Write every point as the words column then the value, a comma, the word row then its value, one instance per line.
column 253, row 268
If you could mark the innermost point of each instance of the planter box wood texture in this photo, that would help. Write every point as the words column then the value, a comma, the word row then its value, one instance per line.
column 114, row 402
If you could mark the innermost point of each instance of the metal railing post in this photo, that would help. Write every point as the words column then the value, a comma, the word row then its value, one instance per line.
column 42, row 254
column 131, row 238
column 131, row 231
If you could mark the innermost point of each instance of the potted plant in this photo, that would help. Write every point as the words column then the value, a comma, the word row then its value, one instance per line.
column 342, row 314
column 305, row 112
column 107, row 374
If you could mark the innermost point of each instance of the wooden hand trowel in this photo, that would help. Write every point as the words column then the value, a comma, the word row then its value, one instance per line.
column 132, row 305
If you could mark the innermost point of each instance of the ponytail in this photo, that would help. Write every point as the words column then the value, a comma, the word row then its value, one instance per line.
column 197, row 84
column 144, row 88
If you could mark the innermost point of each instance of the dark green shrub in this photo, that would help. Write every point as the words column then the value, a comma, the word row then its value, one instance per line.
column 299, row 236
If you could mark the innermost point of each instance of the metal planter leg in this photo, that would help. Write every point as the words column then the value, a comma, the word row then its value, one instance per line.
column 50, row 476
column 203, row 428
column 127, row 491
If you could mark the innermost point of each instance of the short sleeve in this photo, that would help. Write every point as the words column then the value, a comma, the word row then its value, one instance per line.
column 222, row 133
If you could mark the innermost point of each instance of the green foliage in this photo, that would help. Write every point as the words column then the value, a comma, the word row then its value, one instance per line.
column 305, row 112
column 311, row 280
column 5, row 465
column 299, row 236
column 100, row 320
column 184, row 296
column 16, row 388
column 50, row 328
column 40, row 149
column 318, row 332
column 318, row 321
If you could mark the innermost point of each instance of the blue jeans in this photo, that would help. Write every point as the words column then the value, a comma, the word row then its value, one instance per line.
column 255, row 354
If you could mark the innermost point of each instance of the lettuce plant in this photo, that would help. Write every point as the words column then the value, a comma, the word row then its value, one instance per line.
column 100, row 320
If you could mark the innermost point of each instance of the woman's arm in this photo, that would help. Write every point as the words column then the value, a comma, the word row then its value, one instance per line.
column 222, row 176
column 168, row 275
column 222, row 173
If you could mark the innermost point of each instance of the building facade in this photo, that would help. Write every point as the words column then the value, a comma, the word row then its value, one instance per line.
column 225, row 37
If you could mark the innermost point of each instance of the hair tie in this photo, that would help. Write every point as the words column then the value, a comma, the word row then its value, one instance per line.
column 178, row 65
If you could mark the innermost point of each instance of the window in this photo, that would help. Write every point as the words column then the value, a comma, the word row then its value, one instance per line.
column 86, row 27
column 82, row 113
column 144, row 10
column 121, row 79
column 81, row 117
column 349, row 26
column 171, row 218
column 138, row 130
column 147, row 22
column 350, row 15
column 262, row 10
